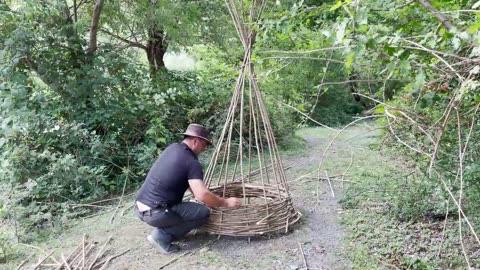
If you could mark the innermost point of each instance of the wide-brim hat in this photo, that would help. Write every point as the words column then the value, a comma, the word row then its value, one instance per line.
column 199, row 131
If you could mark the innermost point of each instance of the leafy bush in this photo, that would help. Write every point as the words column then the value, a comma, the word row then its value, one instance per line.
column 336, row 107
column 44, row 167
column 418, row 198
column 7, row 250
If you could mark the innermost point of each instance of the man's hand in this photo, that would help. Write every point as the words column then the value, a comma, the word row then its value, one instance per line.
column 202, row 194
column 232, row 202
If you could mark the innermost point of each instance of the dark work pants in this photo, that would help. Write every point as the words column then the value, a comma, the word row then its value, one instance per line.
column 174, row 224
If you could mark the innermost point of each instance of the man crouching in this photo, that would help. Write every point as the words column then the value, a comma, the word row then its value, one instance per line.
column 159, row 200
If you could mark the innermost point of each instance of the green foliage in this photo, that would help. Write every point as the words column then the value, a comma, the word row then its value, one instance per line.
column 185, row 23
column 336, row 107
column 289, row 42
column 418, row 198
column 7, row 251
column 76, row 126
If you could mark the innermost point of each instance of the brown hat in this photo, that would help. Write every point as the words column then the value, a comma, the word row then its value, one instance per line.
column 199, row 131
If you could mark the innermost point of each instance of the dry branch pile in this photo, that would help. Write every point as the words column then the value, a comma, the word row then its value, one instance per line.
column 87, row 255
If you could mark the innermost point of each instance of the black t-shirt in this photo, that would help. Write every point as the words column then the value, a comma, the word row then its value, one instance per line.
column 167, row 180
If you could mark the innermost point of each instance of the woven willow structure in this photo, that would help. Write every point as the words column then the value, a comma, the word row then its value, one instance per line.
column 246, row 162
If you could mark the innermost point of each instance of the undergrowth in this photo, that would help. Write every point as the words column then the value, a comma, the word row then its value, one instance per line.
column 397, row 218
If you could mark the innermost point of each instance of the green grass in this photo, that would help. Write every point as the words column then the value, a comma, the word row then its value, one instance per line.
column 385, row 215
column 296, row 146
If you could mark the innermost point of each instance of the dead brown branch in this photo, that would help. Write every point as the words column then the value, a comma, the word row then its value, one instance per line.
column 121, row 199
column 42, row 260
column 439, row 138
column 69, row 256
column 100, row 253
column 306, row 52
column 81, row 257
column 107, row 261
column 305, row 115
column 452, row 196
column 65, row 262
column 446, row 22
column 130, row 43
column 24, row 262
column 303, row 255
column 330, row 184
column 303, row 58
column 43, row 251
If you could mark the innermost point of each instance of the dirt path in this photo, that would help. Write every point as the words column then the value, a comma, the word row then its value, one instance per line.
column 318, row 234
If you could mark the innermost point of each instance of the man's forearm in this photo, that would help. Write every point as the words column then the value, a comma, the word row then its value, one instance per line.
column 212, row 200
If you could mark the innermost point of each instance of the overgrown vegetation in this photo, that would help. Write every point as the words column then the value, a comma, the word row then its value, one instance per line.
column 81, row 123
column 395, row 216
column 419, row 65
column 86, row 102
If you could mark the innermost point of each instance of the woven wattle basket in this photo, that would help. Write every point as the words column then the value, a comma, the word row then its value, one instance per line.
column 264, row 210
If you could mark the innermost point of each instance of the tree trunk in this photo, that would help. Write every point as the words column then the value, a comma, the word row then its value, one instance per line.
column 156, row 49
column 92, row 46
column 353, row 85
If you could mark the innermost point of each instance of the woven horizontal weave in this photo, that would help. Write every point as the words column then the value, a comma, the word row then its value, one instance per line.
column 266, row 209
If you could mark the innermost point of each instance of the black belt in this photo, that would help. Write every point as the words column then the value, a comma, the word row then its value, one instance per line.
column 162, row 208
column 152, row 211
